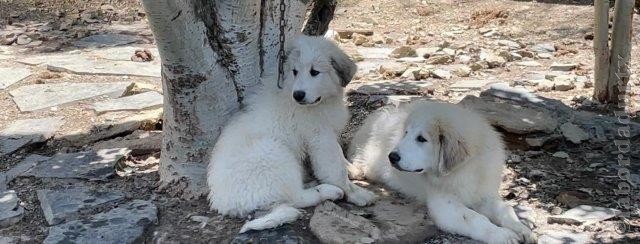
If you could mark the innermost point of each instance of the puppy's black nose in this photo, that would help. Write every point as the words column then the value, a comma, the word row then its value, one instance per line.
column 298, row 95
column 394, row 158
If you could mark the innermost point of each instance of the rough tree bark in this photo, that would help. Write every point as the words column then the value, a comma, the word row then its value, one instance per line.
column 611, row 79
column 601, row 49
column 213, row 53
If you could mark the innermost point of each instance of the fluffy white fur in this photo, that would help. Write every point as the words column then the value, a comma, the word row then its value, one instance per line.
column 455, row 167
column 256, row 163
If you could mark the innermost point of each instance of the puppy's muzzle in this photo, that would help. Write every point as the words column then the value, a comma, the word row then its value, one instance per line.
column 394, row 158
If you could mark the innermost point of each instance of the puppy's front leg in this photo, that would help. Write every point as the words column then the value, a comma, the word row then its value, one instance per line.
column 329, row 166
column 453, row 216
column 502, row 214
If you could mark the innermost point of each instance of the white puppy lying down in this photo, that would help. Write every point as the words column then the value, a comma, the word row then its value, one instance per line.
column 257, row 160
column 443, row 155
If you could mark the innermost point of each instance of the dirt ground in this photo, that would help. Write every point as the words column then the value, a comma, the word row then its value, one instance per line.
column 540, row 182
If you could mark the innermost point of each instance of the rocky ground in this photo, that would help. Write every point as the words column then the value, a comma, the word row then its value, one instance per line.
column 80, row 121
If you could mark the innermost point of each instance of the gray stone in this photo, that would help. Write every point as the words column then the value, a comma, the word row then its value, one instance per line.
column 90, row 165
column 584, row 214
column 39, row 96
column 441, row 74
column 462, row 71
column 536, row 141
column 439, row 59
column 415, row 73
column 387, row 87
column 573, row 133
column 401, row 220
column 124, row 224
column 528, row 64
column 494, row 60
column 466, row 85
column 392, row 69
column 403, row 51
column 140, row 142
column 510, row 44
column 544, row 48
column 140, row 101
column 112, row 124
column 9, row 240
column 560, row 154
column 284, row 234
column 564, row 82
column 333, row 224
column 106, row 40
column 10, row 211
column 545, row 55
column 512, row 117
column 63, row 205
column 9, row 76
column 559, row 236
column 563, row 67
column 87, row 65
column 25, row 132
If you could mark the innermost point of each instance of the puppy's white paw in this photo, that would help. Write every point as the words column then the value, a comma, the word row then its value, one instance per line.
column 526, row 234
column 329, row 192
column 360, row 196
column 504, row 236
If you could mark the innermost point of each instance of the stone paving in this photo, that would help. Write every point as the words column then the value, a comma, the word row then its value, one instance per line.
column 387, row 76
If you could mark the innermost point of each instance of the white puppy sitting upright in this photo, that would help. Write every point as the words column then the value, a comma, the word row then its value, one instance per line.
column 257, row 160
column 446, row 156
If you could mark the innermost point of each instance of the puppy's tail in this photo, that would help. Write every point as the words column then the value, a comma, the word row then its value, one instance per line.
column 278, row 215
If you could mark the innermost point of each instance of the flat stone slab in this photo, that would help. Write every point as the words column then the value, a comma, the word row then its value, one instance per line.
column 401, row 220
column 90, row 165
column 466, row 85
column 39, row 96
column 334, row 224
column 511, row 117
column 84, row 64
column 124, row 224
column 584, row 214
column 26, row 132
column 63, row 205
column 112, row 124
column 564, row 237
column 140, row 142
column 121, row 53
column 282, row 234
column 10, row 211
column 390, row 220
column 106, row 40
column 10, row 76
column 389, row 87
column 140, row 101
column 573, row 133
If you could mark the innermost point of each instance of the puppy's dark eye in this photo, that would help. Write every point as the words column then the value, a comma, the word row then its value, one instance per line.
column 420, row 138
column 314, row 72
column 295, row 72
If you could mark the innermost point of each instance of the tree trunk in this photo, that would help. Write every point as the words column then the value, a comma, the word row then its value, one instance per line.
column 612, row 66
column 601, row 49
column 320, row 17
column 213, row 53
column 620, row 52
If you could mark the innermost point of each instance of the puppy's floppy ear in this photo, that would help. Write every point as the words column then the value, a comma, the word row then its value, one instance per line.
column 453, row 150
column 344, row 66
